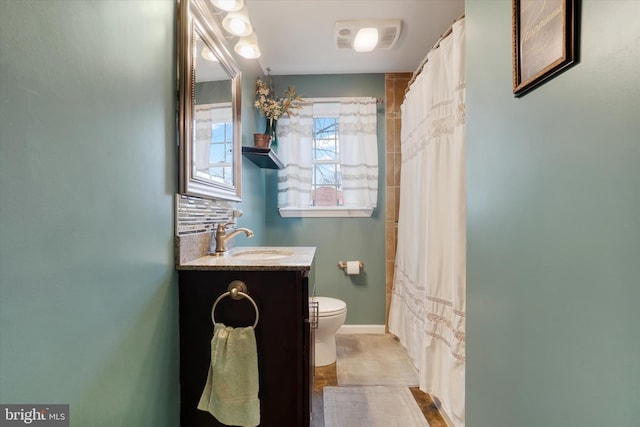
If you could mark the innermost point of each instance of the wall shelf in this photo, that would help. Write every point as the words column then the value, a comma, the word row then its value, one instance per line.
column 263, row 157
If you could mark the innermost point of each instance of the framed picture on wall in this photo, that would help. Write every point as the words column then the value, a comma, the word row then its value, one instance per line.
column 544, row 41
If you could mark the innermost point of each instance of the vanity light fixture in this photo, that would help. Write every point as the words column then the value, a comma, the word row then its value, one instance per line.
column 366, row 40
column 228, row 5
column 247, row 47
column 237, row 23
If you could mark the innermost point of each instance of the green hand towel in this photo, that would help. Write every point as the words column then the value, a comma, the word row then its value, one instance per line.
column 231, row 392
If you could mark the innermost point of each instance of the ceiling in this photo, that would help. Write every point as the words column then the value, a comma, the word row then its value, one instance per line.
column 296, row 36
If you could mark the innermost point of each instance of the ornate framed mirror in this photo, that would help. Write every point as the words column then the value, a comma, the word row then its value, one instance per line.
column 209, row 117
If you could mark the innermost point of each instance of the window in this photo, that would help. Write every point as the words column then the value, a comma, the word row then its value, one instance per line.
column 326, row 184
column 221, row 151
column 213, row 148
column 329, row 149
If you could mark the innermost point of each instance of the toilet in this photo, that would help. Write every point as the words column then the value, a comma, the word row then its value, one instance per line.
column 332, row 313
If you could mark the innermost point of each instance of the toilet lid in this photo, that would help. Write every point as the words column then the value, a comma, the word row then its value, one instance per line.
column 329, row 306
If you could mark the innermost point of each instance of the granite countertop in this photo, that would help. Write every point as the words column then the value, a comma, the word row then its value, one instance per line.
column 271, row 258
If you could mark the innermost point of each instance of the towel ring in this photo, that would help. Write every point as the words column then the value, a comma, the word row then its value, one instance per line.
column 236, row 290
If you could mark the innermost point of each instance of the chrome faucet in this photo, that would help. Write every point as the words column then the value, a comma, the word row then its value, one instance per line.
column 222, row 237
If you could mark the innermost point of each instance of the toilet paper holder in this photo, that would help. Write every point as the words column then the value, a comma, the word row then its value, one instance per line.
column 343, row 265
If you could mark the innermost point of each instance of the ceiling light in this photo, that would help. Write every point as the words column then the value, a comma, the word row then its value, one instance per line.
column 389, row 30
column 237, row 23
column 228, row 5
column 366, row 40
column 247, row 47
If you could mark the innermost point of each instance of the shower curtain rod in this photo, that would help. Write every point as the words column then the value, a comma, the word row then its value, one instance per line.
column 426, row 58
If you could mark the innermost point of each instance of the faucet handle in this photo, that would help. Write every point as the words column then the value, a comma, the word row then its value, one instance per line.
column 222, row 227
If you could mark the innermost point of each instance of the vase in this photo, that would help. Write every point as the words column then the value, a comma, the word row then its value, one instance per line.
column 261, row 140
column 272, row 124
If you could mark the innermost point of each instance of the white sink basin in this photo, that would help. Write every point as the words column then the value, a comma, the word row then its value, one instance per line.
column 261, row 254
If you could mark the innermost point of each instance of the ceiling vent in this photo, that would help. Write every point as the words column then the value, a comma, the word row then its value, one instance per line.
column 388, row 32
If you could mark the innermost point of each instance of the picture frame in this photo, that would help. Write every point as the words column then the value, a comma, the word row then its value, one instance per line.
column 544, row 41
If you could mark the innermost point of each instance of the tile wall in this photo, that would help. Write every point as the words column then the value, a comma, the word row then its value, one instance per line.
column 395, row 86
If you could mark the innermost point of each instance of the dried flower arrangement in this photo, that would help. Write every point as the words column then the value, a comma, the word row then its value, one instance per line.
column 270, row 104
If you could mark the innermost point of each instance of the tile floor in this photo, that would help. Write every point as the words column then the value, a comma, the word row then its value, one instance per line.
column 327, row 376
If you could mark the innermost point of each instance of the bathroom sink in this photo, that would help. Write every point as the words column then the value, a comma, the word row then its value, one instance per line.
column 261, row 254
column 257, row 258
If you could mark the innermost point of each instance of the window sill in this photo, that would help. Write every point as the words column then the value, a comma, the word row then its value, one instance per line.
column 326, row 212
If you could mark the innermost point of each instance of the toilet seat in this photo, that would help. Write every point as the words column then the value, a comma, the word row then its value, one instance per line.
column 329, row 306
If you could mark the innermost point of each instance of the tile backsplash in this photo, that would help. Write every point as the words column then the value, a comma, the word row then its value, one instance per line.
column 195, row 215
column 196, row 219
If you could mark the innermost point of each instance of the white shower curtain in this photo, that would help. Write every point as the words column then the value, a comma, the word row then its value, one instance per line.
column 428, row 303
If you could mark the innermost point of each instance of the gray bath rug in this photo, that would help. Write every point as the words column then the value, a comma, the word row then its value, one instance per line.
column 371, row 406
column 373, row 359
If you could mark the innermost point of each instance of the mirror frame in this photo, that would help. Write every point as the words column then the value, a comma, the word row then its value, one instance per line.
column 195, row 15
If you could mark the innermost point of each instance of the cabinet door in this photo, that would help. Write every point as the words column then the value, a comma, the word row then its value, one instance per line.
column 282, row 338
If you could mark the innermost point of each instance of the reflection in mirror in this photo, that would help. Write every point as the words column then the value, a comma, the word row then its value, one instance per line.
column 213, row 138
column 210, row 139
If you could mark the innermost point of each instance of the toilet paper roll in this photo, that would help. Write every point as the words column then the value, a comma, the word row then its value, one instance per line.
column 353, row 267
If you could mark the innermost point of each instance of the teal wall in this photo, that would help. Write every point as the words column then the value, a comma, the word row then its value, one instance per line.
column 553, row 220
column 339, row 239
column 253, row 177
column 88, row 301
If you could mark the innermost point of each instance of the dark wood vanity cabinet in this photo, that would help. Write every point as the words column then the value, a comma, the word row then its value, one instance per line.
column 283, row 337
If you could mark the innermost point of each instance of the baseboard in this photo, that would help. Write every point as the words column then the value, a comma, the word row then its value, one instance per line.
column 361, row 329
